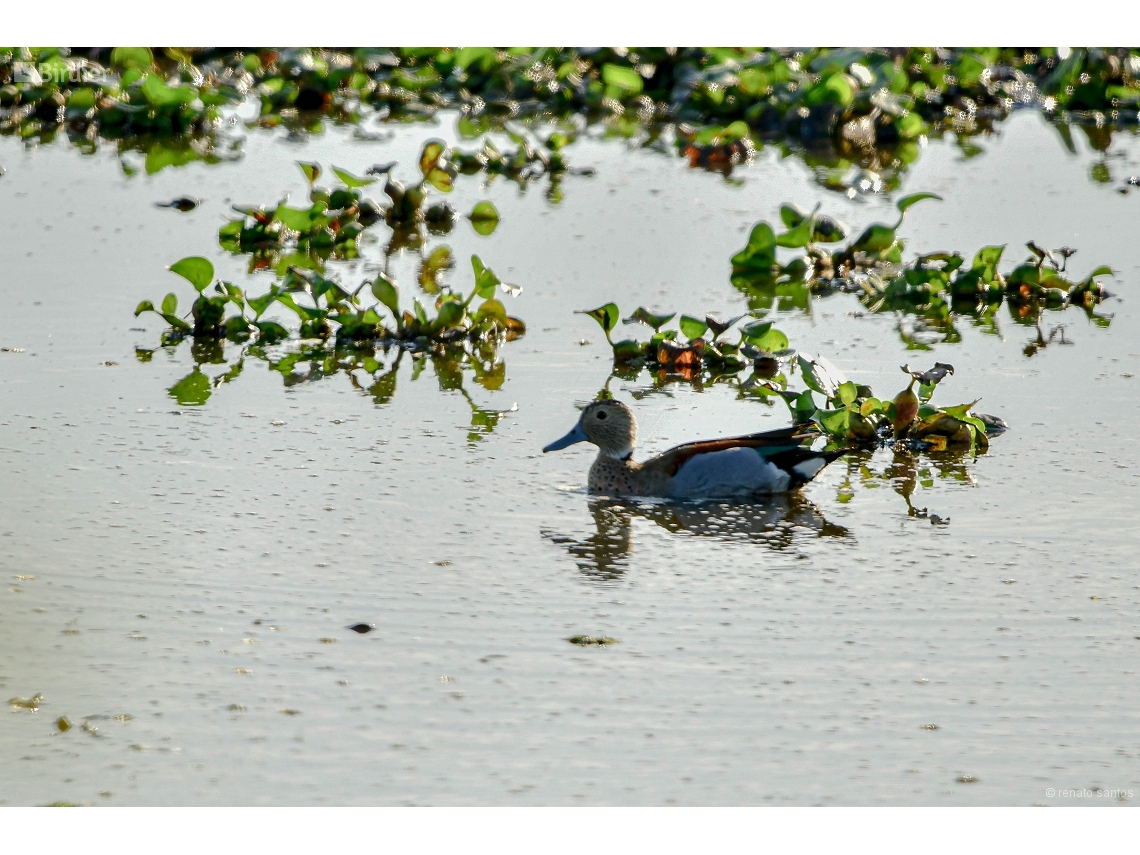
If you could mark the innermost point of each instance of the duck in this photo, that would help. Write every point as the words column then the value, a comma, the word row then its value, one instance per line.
column 758, row 464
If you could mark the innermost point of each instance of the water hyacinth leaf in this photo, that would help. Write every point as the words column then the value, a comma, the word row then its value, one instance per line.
column 906, row 201
column 800, row 236
column 763, row 336
column 692, row 328
column 260, row 304
column 791, row 216
column 607, row 316
column 419, row 310
column 385, row 290
column 144, row 306
column 132, row 57
column 352, row 181
column 835, row 422
column 491, row 309
column 1103, row 270
column 485, row 279
column 302, row 220
column 193, row 390
column 312, row 171
column 988, row 257
column 829, row 230
column 644, row 316
column 760, row 253
column 870, row 406
column 170, row 304
column 159, row 94
column 847, row 392
column 440, row 180
column 718, row 326
column 875, row 239
column 196, row 270
column 961, row 411
column 430, row 156
column 484, row 217
column 450, row 314
column 625, row 80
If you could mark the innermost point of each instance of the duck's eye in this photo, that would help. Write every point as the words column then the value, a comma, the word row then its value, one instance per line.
column 601, row 414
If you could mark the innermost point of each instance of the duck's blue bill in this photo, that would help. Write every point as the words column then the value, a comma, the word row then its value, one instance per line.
column 576, row 435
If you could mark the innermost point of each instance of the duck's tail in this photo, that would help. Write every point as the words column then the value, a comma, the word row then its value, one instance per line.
column 802, row 464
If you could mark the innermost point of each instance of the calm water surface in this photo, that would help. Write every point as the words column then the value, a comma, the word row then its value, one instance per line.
column 180, row 579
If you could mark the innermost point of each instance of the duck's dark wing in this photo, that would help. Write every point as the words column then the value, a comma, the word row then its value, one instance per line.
column 803, row 464
column 784, row 441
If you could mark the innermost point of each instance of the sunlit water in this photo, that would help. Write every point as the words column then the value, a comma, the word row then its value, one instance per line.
column 195, row 569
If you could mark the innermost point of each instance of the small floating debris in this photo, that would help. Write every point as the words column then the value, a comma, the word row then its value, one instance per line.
column 289, row 712
column 588, row 640
column 62, row 724
column 930, row 726
column 182, row 203
column 32, row 703
column 327, row 640
column 967, row 779
column 362, row 628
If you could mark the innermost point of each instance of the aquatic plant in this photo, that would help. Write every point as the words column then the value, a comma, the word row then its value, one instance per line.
column 869, row 106
column 849, row 413
column 935, row 286
column 328, row 309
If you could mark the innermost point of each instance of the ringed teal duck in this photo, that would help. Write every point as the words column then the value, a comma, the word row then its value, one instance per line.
column 775, row 461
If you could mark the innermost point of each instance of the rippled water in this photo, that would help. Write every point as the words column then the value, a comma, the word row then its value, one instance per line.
column 178, row 581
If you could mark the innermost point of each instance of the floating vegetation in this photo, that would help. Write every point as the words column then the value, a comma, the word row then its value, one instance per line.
column 850, row 413
column 362, row 331
column 32, row 703
column 592, row 640
column 856, row 115
column 935, row 287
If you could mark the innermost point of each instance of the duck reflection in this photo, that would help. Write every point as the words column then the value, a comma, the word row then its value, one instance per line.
column 775, row 522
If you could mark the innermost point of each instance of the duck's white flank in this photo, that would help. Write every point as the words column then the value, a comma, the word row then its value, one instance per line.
column 728, row 473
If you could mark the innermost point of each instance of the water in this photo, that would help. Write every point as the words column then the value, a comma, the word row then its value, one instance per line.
column 195, row 569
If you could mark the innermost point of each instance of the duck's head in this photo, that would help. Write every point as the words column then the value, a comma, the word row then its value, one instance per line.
column 607, row 424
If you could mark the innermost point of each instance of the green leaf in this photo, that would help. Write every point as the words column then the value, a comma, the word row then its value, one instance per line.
column 760, row 253
column 193, row 390
column 132, row 57
column 1103, row 270
column 159, row 94
column 791, row 216
column 144, row 306
column 440, row 180
column 870, row 407
column 485, row 279
column 835, row 422
column 626, row 80
column 312, row 171
column 763, row 336
column 196, row 270
column 450, row 314
column 351, row 180
column 303, row 220
column 800, row 236
column 988, row 256
column 432, row 151
column 847, row 392
column 607, row 316
column 385, row 290
column 906, row 201
column 875, row 239
column 484, row 217
column 692, row 328
column 491, row 309
column 644, row 316
column 170, row 304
